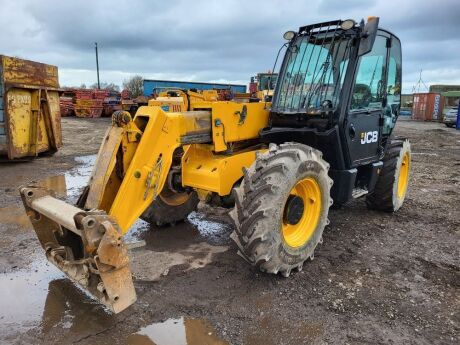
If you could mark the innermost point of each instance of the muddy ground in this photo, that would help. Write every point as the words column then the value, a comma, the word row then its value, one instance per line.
column 377, row 278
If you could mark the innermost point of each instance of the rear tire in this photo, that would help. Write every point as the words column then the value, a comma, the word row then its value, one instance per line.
column 391, row 187
column 169, row 208
column 262, row 232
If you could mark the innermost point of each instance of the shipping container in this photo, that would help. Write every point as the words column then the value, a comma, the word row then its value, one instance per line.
column 30, row 120
column 152, row 86
column 427, row 107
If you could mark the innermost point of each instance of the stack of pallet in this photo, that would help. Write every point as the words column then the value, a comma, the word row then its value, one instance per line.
column 98, row 107
column 100, row 94
column 88, row 103
column 66, row 106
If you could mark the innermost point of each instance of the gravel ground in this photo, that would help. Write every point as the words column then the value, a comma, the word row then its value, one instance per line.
column 377, row 278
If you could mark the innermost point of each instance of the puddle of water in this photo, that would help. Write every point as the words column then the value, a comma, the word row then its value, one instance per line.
column 212, row 231
column 57, row 183
column 68, row 186
column 42, row 296
column 78, row 178
column 24, row 293
column 183, row 331
column 197, row 227
column 15, row 215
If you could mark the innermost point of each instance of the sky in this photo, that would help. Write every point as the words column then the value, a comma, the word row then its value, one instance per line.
column 214, row 41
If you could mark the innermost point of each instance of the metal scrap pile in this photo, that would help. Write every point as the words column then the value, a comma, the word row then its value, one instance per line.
column 89, row 102
column 111, row 103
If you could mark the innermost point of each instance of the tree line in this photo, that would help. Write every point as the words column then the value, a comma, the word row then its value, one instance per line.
column 134, row 85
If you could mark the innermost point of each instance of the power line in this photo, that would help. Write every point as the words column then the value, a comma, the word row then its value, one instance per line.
column 97, row 67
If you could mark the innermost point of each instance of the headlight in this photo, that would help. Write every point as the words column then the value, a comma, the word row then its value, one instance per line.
column 347, row 24
column 289, row 35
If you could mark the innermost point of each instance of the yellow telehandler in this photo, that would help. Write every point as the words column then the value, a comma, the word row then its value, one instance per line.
column 325, row 136
column 262, row 85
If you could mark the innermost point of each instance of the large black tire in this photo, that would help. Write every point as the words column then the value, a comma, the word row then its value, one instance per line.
column 385, row 196
column 260, row 202
column 162, row 211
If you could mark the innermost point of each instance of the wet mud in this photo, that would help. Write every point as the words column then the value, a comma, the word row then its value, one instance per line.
column 183, row 331
column 47, row 295
column 377, row 278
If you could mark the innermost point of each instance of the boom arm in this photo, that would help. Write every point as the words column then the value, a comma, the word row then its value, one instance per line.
column 133, row 163
column 149, row 168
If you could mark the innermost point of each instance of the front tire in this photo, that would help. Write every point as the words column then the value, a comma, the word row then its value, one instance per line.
column 391, row 187
column 281, row 208
column 170, row 207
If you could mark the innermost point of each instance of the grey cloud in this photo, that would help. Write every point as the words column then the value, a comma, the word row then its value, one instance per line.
column 340, row 6
column 211, row 40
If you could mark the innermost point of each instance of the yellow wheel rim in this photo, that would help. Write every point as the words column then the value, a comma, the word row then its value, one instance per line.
column 403, row 178
column 299, row 229
column 174, row 199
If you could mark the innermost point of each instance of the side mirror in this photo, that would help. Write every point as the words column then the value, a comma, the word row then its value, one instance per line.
column 368, row 36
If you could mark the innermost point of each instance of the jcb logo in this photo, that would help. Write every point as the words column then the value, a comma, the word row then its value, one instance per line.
column 369, row 137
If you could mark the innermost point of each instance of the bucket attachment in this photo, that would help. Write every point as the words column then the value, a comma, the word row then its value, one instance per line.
column 85, row 245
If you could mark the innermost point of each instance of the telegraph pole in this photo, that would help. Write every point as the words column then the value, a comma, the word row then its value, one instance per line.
column 97, row 67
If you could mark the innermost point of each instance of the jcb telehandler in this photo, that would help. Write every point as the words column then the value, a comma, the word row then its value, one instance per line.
column 325, row 136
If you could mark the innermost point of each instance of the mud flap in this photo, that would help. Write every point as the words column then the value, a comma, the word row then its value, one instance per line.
column 85, row 245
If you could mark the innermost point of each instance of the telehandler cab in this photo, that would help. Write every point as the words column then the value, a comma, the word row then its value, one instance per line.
column 325, row 136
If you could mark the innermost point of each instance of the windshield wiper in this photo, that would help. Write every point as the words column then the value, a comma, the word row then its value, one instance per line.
column 314, row 88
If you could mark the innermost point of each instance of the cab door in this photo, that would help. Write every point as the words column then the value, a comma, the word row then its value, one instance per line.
column 364, row 120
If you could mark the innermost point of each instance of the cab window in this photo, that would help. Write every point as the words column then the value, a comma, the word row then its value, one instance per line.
column 393, row 89
column 369, row 86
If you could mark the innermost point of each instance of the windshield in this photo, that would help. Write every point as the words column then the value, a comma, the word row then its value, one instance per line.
column 313, row 72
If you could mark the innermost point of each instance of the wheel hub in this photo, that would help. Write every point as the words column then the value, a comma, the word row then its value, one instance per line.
column 294, row 210
column 302, row 212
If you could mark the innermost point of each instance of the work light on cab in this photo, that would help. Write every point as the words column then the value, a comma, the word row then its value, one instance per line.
column 347, row 24
column 289, row 35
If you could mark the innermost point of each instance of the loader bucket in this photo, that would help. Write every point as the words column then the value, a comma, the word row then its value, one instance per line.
column 85, row 245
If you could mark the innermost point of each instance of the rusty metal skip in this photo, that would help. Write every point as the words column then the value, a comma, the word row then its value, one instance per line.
column 30, row 121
